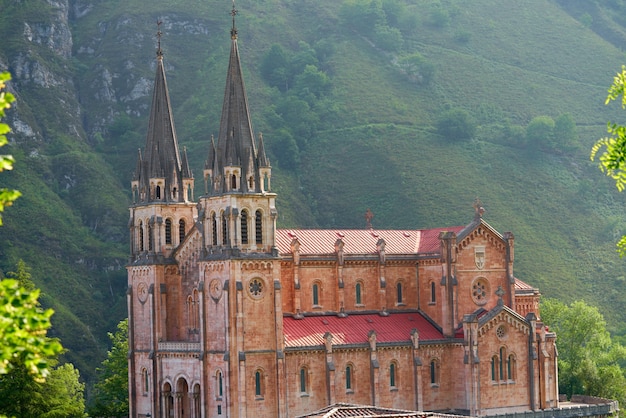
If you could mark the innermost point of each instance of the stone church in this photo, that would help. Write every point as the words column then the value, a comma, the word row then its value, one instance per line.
column 231, row 317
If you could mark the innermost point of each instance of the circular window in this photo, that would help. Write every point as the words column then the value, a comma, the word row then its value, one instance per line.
column 501, row 332
column 255, row 287
column 142, row 292
column 215, row 289
column 480, row 291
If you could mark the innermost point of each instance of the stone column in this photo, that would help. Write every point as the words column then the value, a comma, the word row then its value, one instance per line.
column 374, row 369
column 330, row 368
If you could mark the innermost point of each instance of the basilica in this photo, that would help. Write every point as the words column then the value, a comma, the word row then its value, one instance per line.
column 231, row 317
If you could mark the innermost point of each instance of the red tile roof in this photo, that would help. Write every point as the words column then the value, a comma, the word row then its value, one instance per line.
column 361, row 241
column 520, row 285
column 309, row 331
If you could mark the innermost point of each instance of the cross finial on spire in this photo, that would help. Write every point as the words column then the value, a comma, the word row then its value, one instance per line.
column 158, row 34
column 233, row 13
column 478, row 207
column 368, row 218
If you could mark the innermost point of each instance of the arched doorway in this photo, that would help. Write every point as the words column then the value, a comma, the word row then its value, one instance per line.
column 167, row 401
column 182, row 399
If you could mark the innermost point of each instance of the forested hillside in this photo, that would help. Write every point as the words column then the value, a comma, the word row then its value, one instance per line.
column 412, row 108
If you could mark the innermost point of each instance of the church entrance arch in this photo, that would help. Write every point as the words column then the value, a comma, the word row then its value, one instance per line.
column 182, row 399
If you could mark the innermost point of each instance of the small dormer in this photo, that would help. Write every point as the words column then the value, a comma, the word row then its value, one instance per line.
column 265, row 179
column 187, row 190
column 134, row 186
column 157, row 189
column 232, row 175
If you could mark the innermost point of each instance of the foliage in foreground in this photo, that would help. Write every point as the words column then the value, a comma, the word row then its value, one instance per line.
column 7, row 196
column 23, row 323
column 613, row 159
column 60, row 395
column 111, row 390
column 589, row 360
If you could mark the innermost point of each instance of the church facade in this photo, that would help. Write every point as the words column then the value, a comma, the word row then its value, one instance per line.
column 231, row 317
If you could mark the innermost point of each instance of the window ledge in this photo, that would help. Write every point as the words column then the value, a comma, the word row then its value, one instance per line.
column 304, row 395
column 434, row 385
column 317, row 306
column 393, row 389
column 349, row 390
column 259, row 398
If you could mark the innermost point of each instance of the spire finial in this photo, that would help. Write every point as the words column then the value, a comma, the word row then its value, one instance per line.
column 368, row 218
column 158, row 35
column 233, row 13
column 478, row 207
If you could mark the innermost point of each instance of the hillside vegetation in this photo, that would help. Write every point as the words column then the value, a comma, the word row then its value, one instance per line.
column 351, row 98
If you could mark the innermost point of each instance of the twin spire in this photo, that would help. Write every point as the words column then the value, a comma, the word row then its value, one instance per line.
column 234, row 164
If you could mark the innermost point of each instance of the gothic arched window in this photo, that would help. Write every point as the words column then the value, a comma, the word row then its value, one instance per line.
column 214, row 229
column 244, row 226
column 258, row 226
column 258, row 383
column 181, row 231
column 150, row 238
column 433, row 295
column 141, row 236
column 392, row 374
column 168, row 231
column 358, row 294
column 399, row 292
column 303, row 380
column 434, row 372
column 316, row 294
column 220, row 383
column 349, row 377
column 224, row 229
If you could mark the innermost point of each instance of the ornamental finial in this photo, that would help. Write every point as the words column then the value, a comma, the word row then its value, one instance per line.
column 233, row 13
column 478, row 207
column 158, row 35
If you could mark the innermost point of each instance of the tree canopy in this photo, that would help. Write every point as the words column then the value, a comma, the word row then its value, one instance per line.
column 111, row 390
column 589, row 360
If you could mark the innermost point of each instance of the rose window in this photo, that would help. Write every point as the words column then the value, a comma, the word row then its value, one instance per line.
column 255, row 287
column 480, row 291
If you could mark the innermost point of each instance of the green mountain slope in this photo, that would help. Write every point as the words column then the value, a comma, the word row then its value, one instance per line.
column 361, row 135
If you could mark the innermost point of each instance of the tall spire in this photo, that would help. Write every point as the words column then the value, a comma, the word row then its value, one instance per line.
column 159, row 175
column 236, row 145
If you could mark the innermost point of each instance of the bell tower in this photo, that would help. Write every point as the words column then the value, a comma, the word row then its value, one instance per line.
column 161, row 215
column 239, row 209
column 240, row 265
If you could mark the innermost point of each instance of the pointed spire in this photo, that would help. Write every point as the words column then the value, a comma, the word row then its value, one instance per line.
column 208, row 164
column 263, row 160
column 185, row 165
column 137, row 173
column 161, row 159
column 235, row 141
